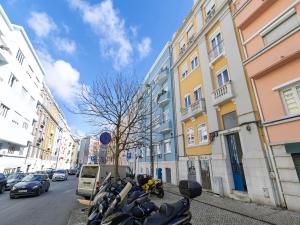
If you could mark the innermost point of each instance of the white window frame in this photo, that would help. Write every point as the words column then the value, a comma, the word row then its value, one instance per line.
column 12, row 80
column 190, row 101
column 194, row 59
column 221, row 72
column 169, row 148
column 192, row 30
column 184, row 71
column 190, row 136
column 212, row 5
column 214, row 37
column 3, row 110
column 196, row 89
column 199, row 20
column 200, row 128
column 295, row 95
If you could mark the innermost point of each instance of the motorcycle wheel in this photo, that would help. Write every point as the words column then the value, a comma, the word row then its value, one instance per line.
column 160, row 192
column 92, row 223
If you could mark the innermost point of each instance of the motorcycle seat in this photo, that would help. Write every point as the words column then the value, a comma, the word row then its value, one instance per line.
column 166, row 213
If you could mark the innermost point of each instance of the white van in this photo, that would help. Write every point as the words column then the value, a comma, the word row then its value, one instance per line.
column 89, row 174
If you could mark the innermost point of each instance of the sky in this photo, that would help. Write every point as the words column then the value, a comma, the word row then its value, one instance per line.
column 79, row 40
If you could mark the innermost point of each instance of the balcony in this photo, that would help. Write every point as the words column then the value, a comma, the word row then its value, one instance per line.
column 193, row 110
column 216, row 52
column 162, row 76
column 223, row 93
column 164, row 99
column 165, row 127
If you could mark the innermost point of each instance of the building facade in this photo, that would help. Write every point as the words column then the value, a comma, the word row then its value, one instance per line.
column 192, row 120
column 270, row 48
column 21, row 77
column 158, row 83
column 238, row 165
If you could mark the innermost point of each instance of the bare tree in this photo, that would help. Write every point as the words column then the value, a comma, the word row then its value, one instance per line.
column 117, row 103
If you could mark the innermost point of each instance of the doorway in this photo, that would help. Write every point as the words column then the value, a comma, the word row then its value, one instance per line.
column 205, row 174
column 236, row 156
column 191, row 169
column 168, row 175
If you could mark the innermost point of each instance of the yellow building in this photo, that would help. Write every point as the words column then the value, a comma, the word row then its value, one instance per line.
column 192, row 120
column 231, row 158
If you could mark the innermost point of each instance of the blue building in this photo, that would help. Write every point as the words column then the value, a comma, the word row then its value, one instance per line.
column 159, row 81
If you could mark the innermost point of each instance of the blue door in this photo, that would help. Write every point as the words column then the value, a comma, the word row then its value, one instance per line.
column 236, row 155
column 159, row 173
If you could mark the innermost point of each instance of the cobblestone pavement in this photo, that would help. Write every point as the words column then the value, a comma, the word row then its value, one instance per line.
column 210, row 209
column 203, row 214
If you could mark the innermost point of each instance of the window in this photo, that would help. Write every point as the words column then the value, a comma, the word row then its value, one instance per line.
column 11, row 149
column 12, row 80
column 194, row 62
column 197, row 94
column 199, row 20
column 190, row 134
column 210, row 9
column 230, row 120
column 148, row 151
column 167, row 147
column 202, row 134
column 3, row 110
column 165, row 115
column 190, row 33
column 222, row 78
column 184, row 71
column 291, row 98
column 296, row 159
column 157, row 147
column 182, row 46
column 216, row 45
column 187, row 101
column 25, row 125
column 20, row 56
column 281, row 27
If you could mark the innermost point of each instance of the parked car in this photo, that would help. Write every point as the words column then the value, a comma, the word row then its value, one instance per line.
column 31, row 185
column 2, row 183
column 14, row 178
column 60, row 175
column 89, row 174
column 72, row 171
column 50, row 172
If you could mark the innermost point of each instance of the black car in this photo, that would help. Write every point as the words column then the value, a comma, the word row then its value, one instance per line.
column 50, row 172
column 72, row 171
column 31, row 185
column 2, row 183
column 14, row 178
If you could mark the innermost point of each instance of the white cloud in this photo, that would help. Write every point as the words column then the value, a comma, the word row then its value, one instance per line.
column 144, row 47
column 65, row 45
column 61, row 77
column 41, row 23
column 109, row 27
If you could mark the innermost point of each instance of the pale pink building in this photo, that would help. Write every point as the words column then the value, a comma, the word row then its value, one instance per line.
column 270, row 40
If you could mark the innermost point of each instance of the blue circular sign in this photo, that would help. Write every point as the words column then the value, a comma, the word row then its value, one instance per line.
column 105, row 138
column 93, row 158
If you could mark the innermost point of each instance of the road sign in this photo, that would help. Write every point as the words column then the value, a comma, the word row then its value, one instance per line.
column 105, row 138
column 93, row 158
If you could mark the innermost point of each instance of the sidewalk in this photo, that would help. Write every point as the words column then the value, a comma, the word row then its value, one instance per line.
column 270, row 215
column 78, row 215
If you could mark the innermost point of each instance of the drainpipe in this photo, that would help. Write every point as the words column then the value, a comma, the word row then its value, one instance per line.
column 277, row 187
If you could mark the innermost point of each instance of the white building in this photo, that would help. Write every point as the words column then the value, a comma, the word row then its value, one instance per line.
column 21, row 77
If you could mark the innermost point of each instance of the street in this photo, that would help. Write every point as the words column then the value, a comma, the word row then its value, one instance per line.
column 52, row 208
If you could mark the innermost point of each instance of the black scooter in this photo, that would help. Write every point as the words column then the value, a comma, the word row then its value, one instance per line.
column 168, row 214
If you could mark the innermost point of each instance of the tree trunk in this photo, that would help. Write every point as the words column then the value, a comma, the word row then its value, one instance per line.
column 117, row 162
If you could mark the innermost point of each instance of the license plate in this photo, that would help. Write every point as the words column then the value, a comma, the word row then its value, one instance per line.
column 86, row 182
column 22, row 191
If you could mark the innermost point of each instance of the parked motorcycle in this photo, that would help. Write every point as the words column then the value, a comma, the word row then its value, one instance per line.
column 168, row 214
column 135, row 202
column 150, row 185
